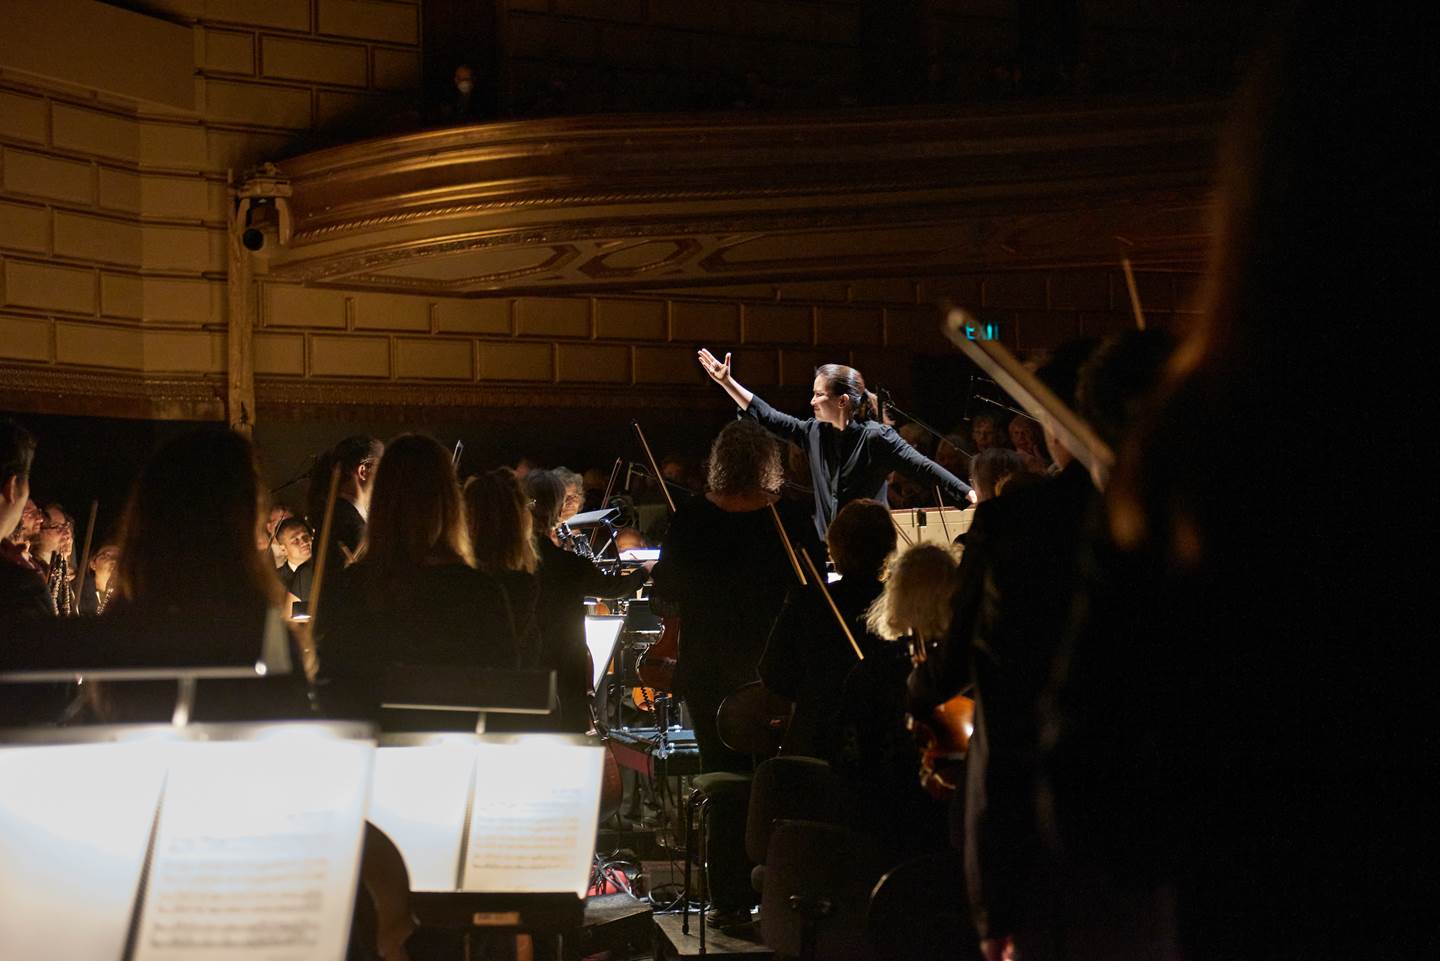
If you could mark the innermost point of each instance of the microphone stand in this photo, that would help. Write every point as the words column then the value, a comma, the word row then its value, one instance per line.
column 887, row 402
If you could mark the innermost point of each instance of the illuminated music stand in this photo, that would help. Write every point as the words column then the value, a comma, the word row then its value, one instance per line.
column 497, row 830
column 603, row 635
column 123, row 840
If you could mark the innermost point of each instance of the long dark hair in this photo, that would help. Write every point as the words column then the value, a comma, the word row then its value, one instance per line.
column 350, row 453
column 842, row 381
column 546, row 493
column 190, row 526
column 417, row 515
column 501, row 528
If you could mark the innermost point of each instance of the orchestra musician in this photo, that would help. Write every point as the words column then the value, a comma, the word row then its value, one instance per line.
column 566, row 579
column 851, row 451
column 413, row 596
column 724, row 571
column 357, row 457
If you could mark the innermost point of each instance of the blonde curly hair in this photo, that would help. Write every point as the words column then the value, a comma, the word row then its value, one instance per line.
column 917, row 594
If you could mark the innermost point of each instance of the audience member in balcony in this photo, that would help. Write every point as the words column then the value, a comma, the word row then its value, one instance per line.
column 55, row 538
column 952, row 453
column 502, row 534
column 413, row 595
column 22, row 588
column 985, row 432
column 23, row 534
column 357, row 457
column 852, row 453
column 566, row 579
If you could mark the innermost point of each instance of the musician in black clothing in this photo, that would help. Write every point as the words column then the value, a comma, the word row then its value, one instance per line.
column 357, row 456
column 851, row 452
column 724, row 570
column 566, row 579
column 297, row 572
column 22, row 588
column 413, row 596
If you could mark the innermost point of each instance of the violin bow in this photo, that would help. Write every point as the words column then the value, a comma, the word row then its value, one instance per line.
column 650, row 459
column 789, row 547
column 839, row 618
column 605, row 501
column 940, row 503
column 85, row 553
column 1134, row 292
column 307, row 630
column 1038, row 400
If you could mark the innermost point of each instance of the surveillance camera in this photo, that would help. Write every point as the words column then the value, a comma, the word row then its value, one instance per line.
column 253, row 238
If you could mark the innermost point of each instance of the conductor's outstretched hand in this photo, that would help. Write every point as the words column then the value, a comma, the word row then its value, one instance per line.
column 719, row 371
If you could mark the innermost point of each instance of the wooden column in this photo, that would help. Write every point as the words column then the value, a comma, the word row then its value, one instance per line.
column 240, row 362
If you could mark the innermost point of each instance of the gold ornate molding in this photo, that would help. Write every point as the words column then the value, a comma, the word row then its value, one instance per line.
column 449, row 212
column 59, row 390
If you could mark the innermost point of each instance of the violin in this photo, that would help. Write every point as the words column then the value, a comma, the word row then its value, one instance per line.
column 943, row 738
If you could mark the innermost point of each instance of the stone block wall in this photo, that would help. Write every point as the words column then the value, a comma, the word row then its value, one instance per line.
column 113, row 212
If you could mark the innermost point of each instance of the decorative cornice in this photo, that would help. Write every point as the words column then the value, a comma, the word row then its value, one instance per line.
column 81, row 392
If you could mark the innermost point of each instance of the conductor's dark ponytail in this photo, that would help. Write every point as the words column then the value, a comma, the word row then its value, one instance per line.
column 848, row 382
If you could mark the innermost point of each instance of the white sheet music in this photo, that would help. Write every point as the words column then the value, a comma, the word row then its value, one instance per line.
column 534, row 815
column 74, row 823
column 257, row 851
column 419, row 800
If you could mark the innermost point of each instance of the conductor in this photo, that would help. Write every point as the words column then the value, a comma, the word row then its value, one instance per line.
column 851, row 452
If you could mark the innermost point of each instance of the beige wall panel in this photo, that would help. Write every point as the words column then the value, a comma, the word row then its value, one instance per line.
column 267, row 105
column 290, row 14
column 229, row 51
column 178, row 198
column 371, row 20
column 530, row 362
column 288, row 59
column 234, row 150
column 630, row 319
column 902, row 325
column 93, row 132
column 850, row 326
column 705, row 323
column 593, row 364
column 391, row 312
column 797, row 367
column 1080, row 290
column 1019, row 290
column 97, row 238
column 173, row 146
column 179, row 248
column 884, row 291
column 24, row 227
column 183, row 301
column 756, row 368
column 349, row 356
column 287, row 306
column 395, row 69
column 33, row 173
column 434, row 359
column 93, row 345
column 53, row 288
column 280, row 354
column 182, row 350
column 24, row 338
column 21, row 117
column 552, row 317
column 963, row 290
column 457, row 316
column 122, row 295
column 816, row 292
column 667, row 365
column 331, row 106
column 777, row 324
column 119, row 190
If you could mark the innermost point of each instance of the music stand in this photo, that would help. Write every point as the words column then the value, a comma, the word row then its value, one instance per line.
column 603, row 634
column 483, row 691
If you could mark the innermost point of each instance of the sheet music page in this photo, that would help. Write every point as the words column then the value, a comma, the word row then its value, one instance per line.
column 533, row 820
column 419, row 800
column 75, row 821
column 257, row 850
